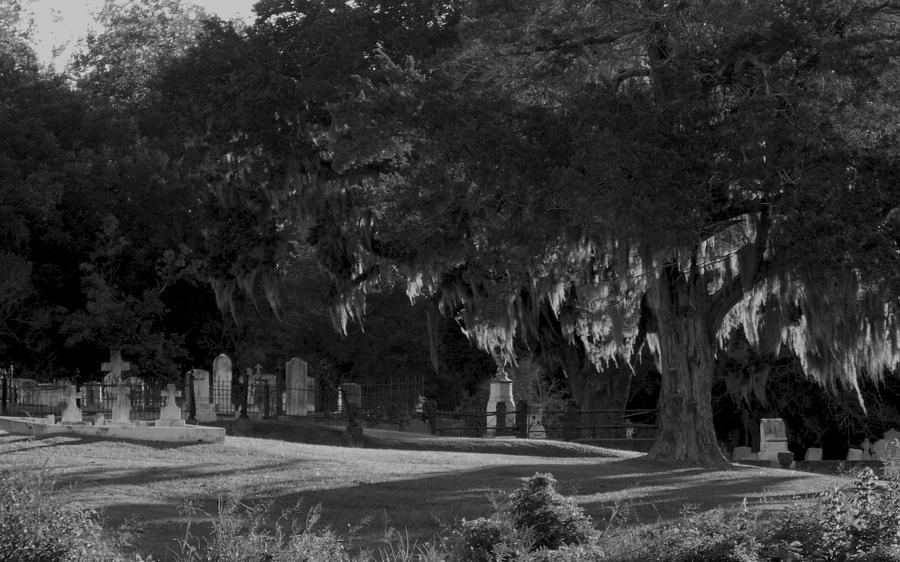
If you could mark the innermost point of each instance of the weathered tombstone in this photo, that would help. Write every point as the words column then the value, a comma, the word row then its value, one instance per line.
column 71, row 413
column 522, row 420
column 742, row 454
column 814, row 454
column 114, row 368
column 93, row 395
column 100, row 419
column 203, row 406
column 887, row 447
column 222, row 384
column 501, row 391
column 352, row 394
column 772, row 439
column 170, row 413
column 296, row 387
column 854, row 454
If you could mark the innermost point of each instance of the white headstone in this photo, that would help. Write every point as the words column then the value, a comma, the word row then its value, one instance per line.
column 71, row 413
column 854, row 454
column 814, row 454
column 296, row 387
column 170, row 413
column 114, row 367
column 121, row 410
column 222, row 384
column 772, row 435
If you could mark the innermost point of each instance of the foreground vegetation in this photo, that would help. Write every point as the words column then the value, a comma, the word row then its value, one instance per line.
column 860, row 521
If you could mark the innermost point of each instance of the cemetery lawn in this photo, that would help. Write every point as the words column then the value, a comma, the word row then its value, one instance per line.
column 421, row 492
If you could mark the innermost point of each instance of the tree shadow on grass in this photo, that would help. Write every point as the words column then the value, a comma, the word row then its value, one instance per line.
column 423, row 505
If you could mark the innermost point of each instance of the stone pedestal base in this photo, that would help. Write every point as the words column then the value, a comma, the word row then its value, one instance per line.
column 205, row 413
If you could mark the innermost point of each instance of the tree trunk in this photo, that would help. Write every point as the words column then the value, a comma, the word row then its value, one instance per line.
column 687, row 351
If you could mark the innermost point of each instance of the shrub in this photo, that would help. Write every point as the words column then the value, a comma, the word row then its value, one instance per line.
column 36, row 525
column 534, row 517
column 484, row 539
column 858, row 522
column 553, row 519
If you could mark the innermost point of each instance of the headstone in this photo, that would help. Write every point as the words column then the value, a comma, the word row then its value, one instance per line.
column 854, row 454
column 814, row 454
column 170, row 413
column 887, row 447
column 93, row 395
column 114, row 367
column 501, row 391
column 296, row 387
column 222, row 384
column 50, row 419
column 71, row 413
column 866, row 447
column 772, row 435
column 121, row 410
column 352, row 394
column 742, row 454
column 204, row 408
column 100, row 419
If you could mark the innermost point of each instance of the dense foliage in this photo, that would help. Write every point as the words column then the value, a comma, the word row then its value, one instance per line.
column 596, row 185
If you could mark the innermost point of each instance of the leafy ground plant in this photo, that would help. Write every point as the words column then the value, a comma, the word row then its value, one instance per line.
column 36, row 525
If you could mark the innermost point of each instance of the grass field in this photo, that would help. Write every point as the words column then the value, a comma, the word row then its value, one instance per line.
column 416, row 491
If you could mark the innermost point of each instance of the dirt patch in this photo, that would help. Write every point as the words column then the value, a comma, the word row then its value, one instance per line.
column 417, row 490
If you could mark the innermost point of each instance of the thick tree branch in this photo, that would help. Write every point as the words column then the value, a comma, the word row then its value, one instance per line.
column 754, row 268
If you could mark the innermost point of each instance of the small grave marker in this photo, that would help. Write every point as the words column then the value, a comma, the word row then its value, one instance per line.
column 170, row 413
column 71, row 413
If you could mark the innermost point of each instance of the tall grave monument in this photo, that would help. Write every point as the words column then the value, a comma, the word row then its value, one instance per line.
column 203, row 406
column 298, row 388
column 222, row 384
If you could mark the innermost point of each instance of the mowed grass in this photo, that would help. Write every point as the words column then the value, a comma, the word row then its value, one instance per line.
column 419, row 492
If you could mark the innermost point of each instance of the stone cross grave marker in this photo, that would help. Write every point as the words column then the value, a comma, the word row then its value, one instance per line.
column 114, row 367
column 170, row 413
column 296, row 388
column 121, row 410
column 222, row 384
column 71, row 413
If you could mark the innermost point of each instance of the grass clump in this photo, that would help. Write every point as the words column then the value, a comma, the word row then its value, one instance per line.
column 37, row 526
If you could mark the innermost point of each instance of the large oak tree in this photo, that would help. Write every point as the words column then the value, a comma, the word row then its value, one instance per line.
column 645, row 172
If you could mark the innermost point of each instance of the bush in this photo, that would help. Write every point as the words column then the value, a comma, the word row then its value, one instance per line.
column 486, row 539
column 857, row 522
column 37, row 526
column 534, row 517
column 553, row 519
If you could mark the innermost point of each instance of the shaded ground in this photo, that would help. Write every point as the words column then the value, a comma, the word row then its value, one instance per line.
column 416, row 490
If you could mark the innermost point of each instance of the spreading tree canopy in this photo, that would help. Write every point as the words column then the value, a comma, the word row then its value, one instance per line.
column 646, row 172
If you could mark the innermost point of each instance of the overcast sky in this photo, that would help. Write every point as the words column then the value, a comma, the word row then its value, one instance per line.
column 63, row 22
